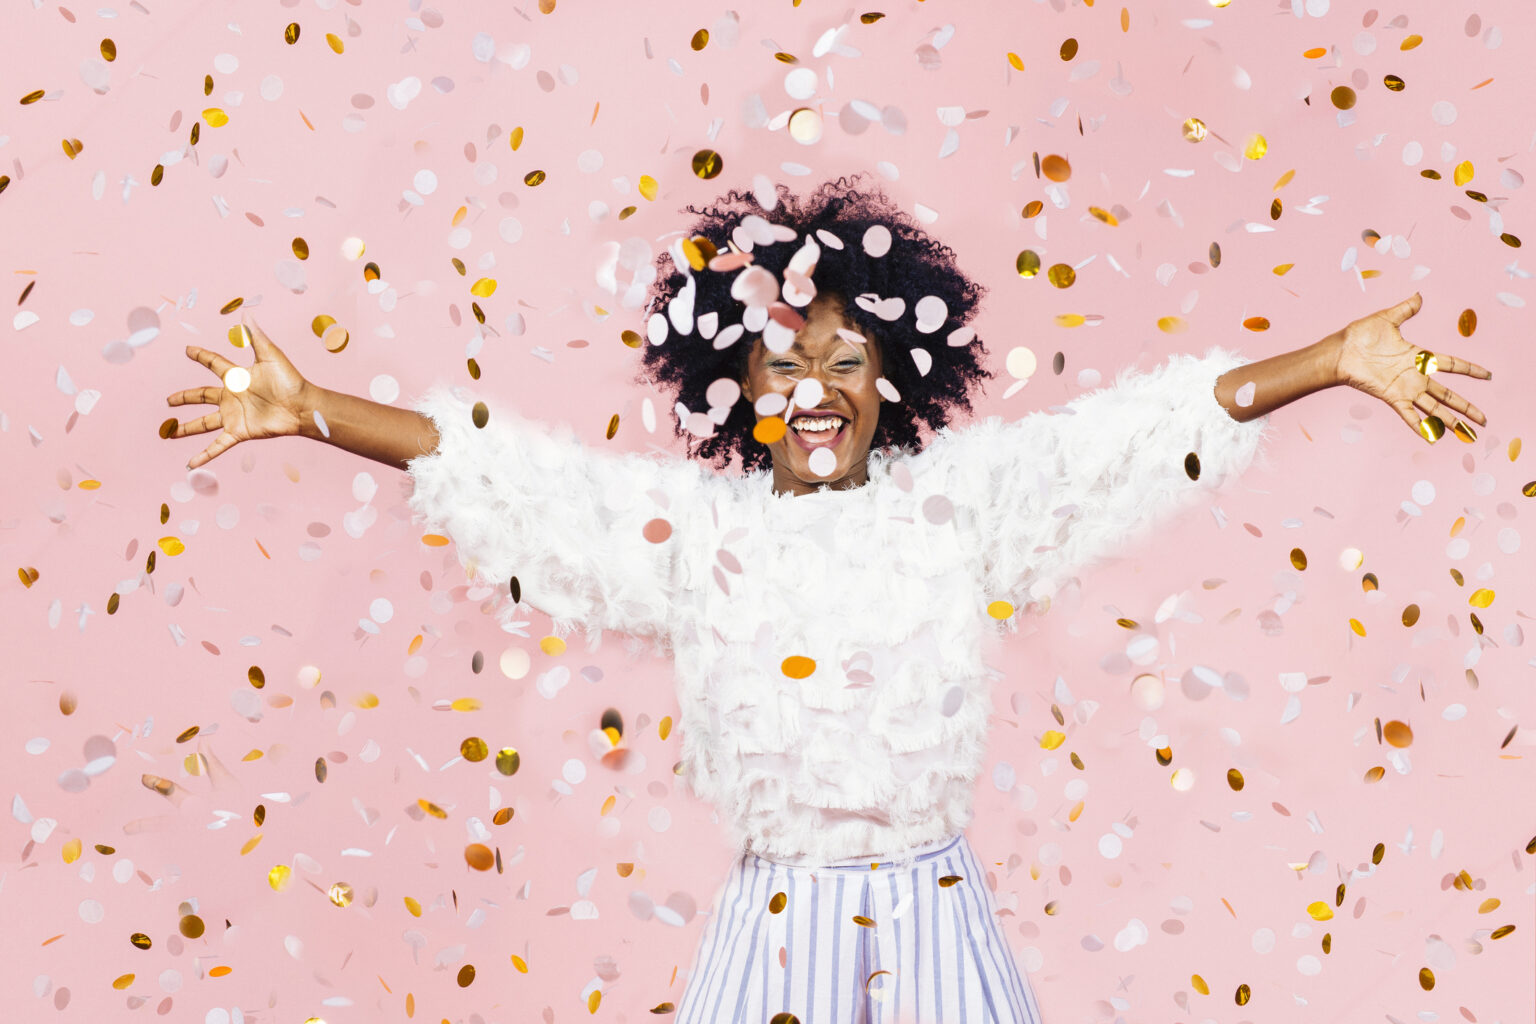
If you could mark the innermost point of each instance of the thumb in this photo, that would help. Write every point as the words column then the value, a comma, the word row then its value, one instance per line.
column 1403, row 310
column 261, row 345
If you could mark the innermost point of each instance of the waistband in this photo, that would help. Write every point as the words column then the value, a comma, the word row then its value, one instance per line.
column 905, row 859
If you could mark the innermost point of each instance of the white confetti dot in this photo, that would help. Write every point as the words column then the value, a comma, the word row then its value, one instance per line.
column 1443, row 113
column 656, row 329
column 425, row 181
column 887, row 389
column 384, row 389
column 271, row 88
column 808, row 393
column 1245, row 394
column 1021, row 363
column 1004, row 776
column 1423, row 492
column 771, row 404
column 1110, row 845
column 1263, row 940
column 822, row 462
column 37, row 744
column 660, row 819
column 510, row 229
column 217, row 1015
column 92, row 912
column 923, row 360
column 1309, row 965
column 573, row 771
column 1509, row 540
column 381, row 610
column 931, row 313
column 800, row 83
column 877, row 240
column 1132, row 935
column 1413, row 152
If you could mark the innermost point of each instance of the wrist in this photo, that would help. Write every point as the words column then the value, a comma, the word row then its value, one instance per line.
column 1327, row 357
column 312, row 399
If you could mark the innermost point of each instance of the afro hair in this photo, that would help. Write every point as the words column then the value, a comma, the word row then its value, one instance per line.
column 915, row 267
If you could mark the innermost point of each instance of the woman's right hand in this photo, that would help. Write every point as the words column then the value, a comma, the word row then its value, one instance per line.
column 274, row 405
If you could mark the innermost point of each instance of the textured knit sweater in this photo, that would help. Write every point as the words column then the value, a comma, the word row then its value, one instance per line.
column 869, row 741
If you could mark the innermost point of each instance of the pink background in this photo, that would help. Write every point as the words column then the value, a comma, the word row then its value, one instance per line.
column 300, row 555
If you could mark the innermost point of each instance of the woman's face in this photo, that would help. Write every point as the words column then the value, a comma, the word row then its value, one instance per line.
column 847, row 371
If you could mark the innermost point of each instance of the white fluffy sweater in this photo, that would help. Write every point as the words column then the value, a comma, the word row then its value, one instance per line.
column 885, row 587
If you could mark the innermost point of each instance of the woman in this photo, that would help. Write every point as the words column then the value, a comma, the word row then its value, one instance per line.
column 833, row 694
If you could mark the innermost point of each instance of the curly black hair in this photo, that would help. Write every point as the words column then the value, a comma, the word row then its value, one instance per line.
column 916, row 266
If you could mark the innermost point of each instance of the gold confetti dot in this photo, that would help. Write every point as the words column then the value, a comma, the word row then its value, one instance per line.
column 1061, row 275
column 648, row 187
column 1192, row 465
column 1032, row 209
column 1432, row 428
column 1276, row 208
column 1357, row 626
column 1411, row 41
column 1343, row 97
column 534, row 178
column 479, row 856
column 508, row 760
column 1199, row 985
column 700, row 39
column 1027, row 263
column 797, row 666
column 140, row 941
column 340, row 894
column 950, row 880
column 594, row 1000
column 1070, row 320
column 1410, row 615
column 777, row 904
column 29, row 575
column 1165, row 756
column 502, row 816
column 191, row 926
column 784, row 1018
column 707, row 163
column 1015, row 60
column 1256, row 148
column 1068, row 49
column 1398, row 734
column 1298, row 559
column 480, row 415
column 1195, row 130
column 1393, row 83
column 515, row 139
column 1314, row 52
column 1235, row 779
column 1243, row 995
column 473, row 749
column 1052, row 739
column 1376, row 774
column 1466, row 323
column 215, row 117
column 1256, row 323
column 464, row 704
column 334, row 42
column 1463, row 173
column 1426, row 976
column 1481, row 598
column 1056, row 168
column 1320, row 911
column 172, row 545
column 1501, row 931
column 466, row 976
column 1170, row 324
column 431, row 808
column 1000, row 609
column 769, row 429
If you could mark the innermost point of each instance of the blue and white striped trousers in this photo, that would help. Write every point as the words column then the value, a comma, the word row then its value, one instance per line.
column 914, row 942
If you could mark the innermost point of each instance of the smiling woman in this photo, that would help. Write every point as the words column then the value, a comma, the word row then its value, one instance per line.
column 892, row 282
column 825, row 387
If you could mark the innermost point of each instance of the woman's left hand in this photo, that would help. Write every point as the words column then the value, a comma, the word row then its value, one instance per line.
column 1374, row 358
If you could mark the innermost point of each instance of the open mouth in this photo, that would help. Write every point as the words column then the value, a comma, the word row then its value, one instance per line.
column 812, row 432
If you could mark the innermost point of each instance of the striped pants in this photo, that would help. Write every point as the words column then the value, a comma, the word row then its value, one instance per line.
column 914, row 942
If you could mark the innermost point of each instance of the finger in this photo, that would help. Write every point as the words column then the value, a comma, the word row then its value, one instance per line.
column 1405, row 412
column 201, row 425
column 1445, row 396
column 1453, row 364
column 260, row 343
column 215, row 362
column 221, row 444
column 1403, row 310
column 195, row 396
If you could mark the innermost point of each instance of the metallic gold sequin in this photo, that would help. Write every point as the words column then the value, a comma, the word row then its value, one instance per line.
column 508, row 760
column 1256, row 147
column 480, row 414
column 1256, row 323
column 1393, row 82
column 1426, row 978
column 700, row 39
column 1192, row 466
column 466, row 977
column 533, row 178
column 1501, row 931
column 1061, row 275
column 707, row 163
column 1298, row 559
column 479, row 856
column 1032, row 209
column 1194, row 129
column 1342, row 97
column 1481, row 598
column 1068, row 49
column 191, row 926
column 1027, row 263
column 1243, row 995
column 340, row 894
column 1056, row 168
column 1432, row 428
column 1397, row 733
column 1235, row 779
column 291, row 33
column 797, row 666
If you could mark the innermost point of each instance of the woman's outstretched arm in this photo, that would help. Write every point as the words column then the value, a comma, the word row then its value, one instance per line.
column 1371, row 355
column 379, row 432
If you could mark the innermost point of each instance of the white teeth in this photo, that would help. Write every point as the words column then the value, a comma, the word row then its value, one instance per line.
column 818, row 424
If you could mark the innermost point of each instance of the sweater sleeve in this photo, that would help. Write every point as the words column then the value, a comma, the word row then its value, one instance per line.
column 570, row 522
column 1053, row 492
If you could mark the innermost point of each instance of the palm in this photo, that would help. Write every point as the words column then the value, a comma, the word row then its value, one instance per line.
column 271, row 406
column 1374, row 357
